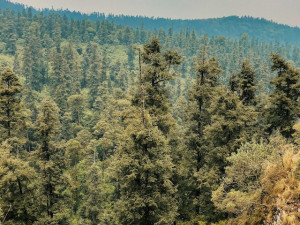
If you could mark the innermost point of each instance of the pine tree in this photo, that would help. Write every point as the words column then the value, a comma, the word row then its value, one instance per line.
column 93, row 75
column 75, row 174
column 283, row 110
column 131, row 55
column 201, row 97
column 33, row 67
column 17, row 184
column 17, row 195
column 71, row 57
column 231, row 125
column 246, row 83
column 93, row 202
column 50, row 163
column 57, row 37
column 143, row 165
column 60, row 79
column 10, row 34
column 157, row 70
column 143, row 169
column 89, row 187
column 12, row 118
column 104, row 67
column 76, row 106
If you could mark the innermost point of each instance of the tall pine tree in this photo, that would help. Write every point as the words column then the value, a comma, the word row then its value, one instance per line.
column 143, row 165
column 50, row 165
column 283, row 110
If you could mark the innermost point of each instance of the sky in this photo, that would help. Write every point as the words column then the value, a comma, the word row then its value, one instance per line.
column 281, row 11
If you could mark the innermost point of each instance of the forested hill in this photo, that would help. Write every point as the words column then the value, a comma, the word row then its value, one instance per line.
column 105, row 124
column 232, row 26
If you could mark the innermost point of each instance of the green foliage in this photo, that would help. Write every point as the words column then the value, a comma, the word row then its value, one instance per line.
column 97, row 201
column 201, row 97
column 245, row 84
column 17, row 184
column 93, row 77
column 76, row 105
column 53, row 203
column 143, row 165
column 143, row 169
column 156, row 71
column 33, row 68
column 242, row 189
column 107, row 150
column 11, row 117
column 283, row 110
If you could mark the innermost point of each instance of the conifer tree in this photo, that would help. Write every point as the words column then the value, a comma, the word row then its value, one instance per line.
column 143, row 164
column 11, row 115
column 93, row 75
column 93, row 202
column 17, row 195
column 75, row 174
column 230, row 126
column 90, row 189
column 50, row 163
column 71, row 57
column 143, row 169
column 10, row 34
column 56, row 35
column 131, row 55
column 60, row 79
column 246, row 84
column 17, row 184
column 33, row 67
column 93, row 198
column 201, row 98
column 283, row 110
column 157, row 70
column 76, row 106
column 60, row 74
column 104, row 67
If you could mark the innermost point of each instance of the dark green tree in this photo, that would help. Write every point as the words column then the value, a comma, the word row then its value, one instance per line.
column 93, row 203
column 94, row 72
column 283, row 110
column 60, row 79
column 71, row 57
column 156, row 71
column 18, row 195
column 12, row 118
column 143, row 165
column 53, row 209
column 231, row 125
column 17, row 189
column 10, row 34
column 246, row 84
column 201, row 97
column 143, row 170
column 33, row 67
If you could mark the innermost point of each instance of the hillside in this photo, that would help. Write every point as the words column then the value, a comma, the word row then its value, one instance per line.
column 106, row 124
column 232, row 26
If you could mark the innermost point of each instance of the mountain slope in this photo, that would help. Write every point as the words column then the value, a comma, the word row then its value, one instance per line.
column 232, row 26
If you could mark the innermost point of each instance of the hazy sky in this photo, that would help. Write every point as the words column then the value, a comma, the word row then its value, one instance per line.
column 282, row 11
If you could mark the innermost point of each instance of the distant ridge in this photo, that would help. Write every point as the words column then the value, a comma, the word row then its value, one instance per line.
column 232, row 26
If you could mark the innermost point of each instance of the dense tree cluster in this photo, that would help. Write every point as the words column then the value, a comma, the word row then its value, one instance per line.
column 96, row 131
column 231, row 26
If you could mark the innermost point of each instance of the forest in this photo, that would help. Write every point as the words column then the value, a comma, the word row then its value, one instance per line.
column 111, row 124
column 230, row 26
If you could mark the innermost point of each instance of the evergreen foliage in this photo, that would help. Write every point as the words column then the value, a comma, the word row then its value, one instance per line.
column 103, row 123
column 11, row 115
column 284, row 106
